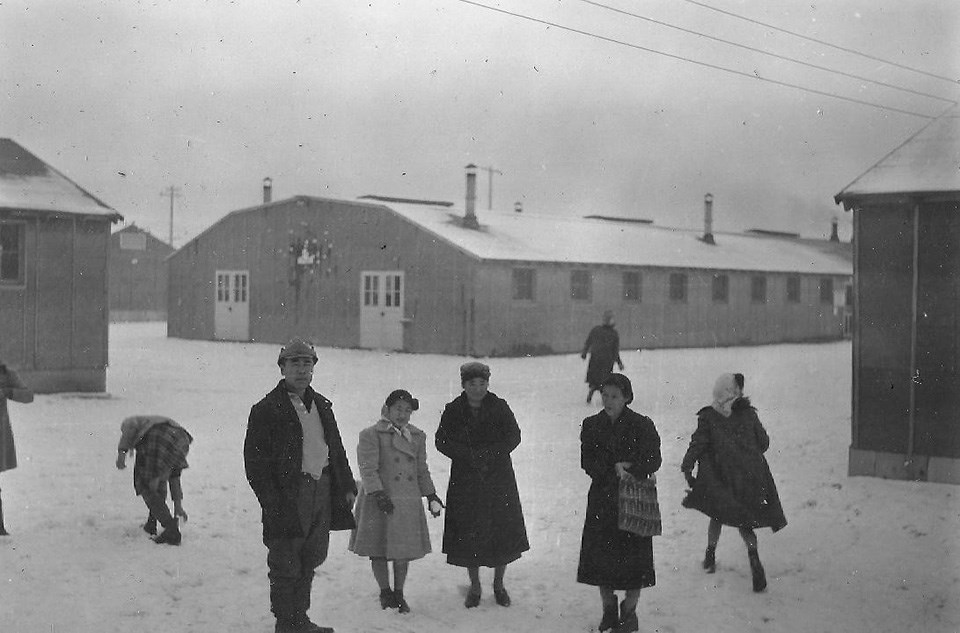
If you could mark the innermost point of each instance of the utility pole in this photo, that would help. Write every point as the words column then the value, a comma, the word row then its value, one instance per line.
column 173, row 192
column 490, row 172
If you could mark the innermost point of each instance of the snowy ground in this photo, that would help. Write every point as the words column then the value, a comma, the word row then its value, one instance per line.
column 859, row 554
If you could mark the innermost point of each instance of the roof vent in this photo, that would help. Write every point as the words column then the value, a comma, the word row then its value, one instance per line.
column 470, row 218
column 708, row 219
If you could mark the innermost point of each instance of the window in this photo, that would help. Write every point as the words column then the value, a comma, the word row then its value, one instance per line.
column 678, row 287
column 758, row 289
column 133, row 241
column 392, row 298
column 793, row 289
column 826, row 290
column 523, row 284
column 581, row 285
column 12, row 238
column 632, row 286
column 721, row 288
column 371, row 290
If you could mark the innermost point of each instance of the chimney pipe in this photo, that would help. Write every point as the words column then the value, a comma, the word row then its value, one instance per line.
column 470, row 219
column 834, row 236
column 518, row 206
column 708, row 219
column 267, row 190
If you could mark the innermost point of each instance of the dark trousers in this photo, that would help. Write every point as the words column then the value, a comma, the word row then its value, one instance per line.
column 157, row 505
column 291, row 561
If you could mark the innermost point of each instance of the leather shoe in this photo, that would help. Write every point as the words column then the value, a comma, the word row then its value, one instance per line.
column 501, row 596
column 388, row 599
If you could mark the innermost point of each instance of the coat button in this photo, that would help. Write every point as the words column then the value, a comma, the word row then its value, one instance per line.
column 397, row 478
column 396, row 459
column 409, row 477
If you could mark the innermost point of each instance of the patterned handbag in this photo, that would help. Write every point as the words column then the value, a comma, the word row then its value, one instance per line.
column 639, row 510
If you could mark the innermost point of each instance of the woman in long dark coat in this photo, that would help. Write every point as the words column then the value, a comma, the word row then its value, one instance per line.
column 603, row 346
column 13, row 388
column 733, row 485
column 484, row 522
column 616, row 443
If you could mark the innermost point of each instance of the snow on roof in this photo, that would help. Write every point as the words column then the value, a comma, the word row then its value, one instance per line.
column 527, row 237
column 928, row 161
column 26, row 182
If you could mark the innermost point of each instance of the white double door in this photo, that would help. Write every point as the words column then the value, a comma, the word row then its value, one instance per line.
column 381, row 309
column 231, row 316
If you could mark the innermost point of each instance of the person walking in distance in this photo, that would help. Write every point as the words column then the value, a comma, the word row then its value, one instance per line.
column 603, row 346
column 296, row 465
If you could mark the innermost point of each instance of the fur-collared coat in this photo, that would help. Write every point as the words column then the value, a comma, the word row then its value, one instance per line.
column 273, row 459
column 388, row 461
column 609, row 556
column 733, row 482
column 483, row 525
column 12, row 388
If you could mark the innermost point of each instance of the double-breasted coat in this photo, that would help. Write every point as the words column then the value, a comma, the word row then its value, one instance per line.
column 273, row 459
column 733, row 483
column 11, row 388
column 609, row 556
column 483, row 525
column 390, row 462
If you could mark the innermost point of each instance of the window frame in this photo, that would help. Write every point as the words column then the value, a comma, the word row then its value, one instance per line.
column 632, row 290
column 585, row 284
column 678, row 287
column 720, row 282
column 826, row 283
column 528, row 284
column 793, row 280
column 758, row 289
column 20, row 281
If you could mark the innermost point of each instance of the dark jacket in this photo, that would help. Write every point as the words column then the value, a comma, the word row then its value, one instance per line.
column 733, row 483
column 273, row 457
column 603, row 345
column 483, row 525
column 610, row 556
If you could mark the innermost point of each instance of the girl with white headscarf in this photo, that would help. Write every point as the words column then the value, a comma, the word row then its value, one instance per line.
column 733, row 484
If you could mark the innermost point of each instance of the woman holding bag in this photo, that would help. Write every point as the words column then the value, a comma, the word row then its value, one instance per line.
column 616, row 444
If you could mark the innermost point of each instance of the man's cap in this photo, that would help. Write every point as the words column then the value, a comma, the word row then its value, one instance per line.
column 297, row 348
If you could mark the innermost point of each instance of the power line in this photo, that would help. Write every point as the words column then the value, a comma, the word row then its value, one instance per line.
column 813, row 39
column 764, row 52
column 699, row 63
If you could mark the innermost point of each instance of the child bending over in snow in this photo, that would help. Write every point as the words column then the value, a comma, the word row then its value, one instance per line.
column 391, row 524
column 161, row 445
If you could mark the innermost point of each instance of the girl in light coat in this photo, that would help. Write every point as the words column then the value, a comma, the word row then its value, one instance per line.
column 391, row 524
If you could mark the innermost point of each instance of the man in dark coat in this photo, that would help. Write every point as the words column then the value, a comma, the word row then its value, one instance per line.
column 297, row 467
column 603, row 345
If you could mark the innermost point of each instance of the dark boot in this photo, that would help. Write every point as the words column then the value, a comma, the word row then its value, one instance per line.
column 756, row 569
column 387, row 599
column 628, row 621
column 402, row 605
column 611, row 617
column 710, row 559
column 150, row 527
column 170, row 535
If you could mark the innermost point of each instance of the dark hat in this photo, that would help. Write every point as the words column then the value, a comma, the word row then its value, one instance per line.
column 297, row 348
column 622, row 383
column 473, row 369
column 402, row 395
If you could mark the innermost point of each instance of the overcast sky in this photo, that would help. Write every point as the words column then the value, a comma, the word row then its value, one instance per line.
column 342, row 98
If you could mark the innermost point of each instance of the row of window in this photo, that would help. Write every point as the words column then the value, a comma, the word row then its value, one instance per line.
column 581, row 287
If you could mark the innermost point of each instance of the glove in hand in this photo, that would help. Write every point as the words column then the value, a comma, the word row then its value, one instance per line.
column 384, row 503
